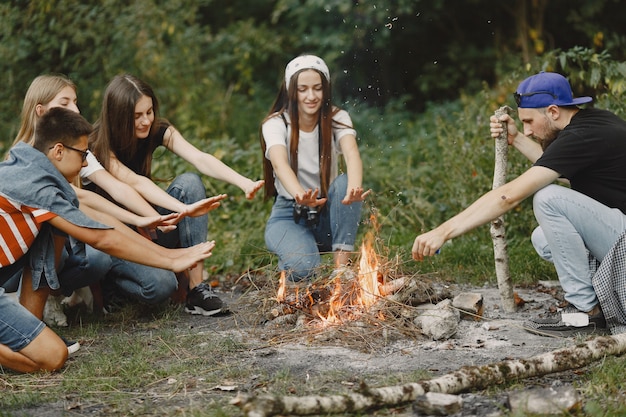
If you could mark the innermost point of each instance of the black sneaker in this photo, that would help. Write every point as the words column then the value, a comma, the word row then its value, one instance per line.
column 72, row 346
column 202, row 300
column 568, row 322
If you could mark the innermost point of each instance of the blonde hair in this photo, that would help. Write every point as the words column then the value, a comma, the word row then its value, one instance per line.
column 42, row 90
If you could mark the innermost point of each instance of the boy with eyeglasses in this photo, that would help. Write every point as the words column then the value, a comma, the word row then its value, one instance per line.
column 38, row 210
column 578, row 225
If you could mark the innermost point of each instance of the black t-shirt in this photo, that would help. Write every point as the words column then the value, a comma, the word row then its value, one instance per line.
column 145, row 147
column 591, row 153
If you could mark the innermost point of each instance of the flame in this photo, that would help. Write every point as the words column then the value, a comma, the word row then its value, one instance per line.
column 350, row 293
column 282, row 287
column 368, row 275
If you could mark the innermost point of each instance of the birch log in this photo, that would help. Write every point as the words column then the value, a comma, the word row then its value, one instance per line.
column 500, row 254
column 468, row 377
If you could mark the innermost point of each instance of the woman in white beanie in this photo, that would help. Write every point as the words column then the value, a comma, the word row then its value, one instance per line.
column 316, row 209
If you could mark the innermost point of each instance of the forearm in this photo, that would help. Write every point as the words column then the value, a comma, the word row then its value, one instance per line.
column 97, row 202
column 157, row 196
column 528, row 147
column 123, row 242
column 212, row 167
column 133, row 201
column 289, row 180
column 355, row 173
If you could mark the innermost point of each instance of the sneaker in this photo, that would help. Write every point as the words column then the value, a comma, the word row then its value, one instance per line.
column 53, row 314
column 202, row 300
column 72, row 346
column 568, row 322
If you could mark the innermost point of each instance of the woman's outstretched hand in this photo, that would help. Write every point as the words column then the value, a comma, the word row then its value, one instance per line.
column 202, row 207
column 147, row 226
column 355, row 195
column 253, row 188
column 309, row 198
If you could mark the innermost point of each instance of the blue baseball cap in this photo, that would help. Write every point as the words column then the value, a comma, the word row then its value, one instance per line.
column 544, row 89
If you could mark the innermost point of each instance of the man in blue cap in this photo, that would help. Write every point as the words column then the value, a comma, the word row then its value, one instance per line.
column 579, row 224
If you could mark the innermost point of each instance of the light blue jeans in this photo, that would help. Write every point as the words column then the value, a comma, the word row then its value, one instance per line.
column 298, row 246
column 154, row 285
column 573, row 227
column 143, row 283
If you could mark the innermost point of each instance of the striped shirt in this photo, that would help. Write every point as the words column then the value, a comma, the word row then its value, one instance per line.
column 19, row 227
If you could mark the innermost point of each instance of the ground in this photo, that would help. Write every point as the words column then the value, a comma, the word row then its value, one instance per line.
column 320, row 364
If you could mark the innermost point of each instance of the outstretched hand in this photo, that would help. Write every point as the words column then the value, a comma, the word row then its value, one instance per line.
column 355, row 195
column 251, row 190
column 309, row 198
column 202, row 207
column 495, row 126
column 187, row 258
column 166, row 223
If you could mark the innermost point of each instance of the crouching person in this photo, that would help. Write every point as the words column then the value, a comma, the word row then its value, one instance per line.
column 38, row 210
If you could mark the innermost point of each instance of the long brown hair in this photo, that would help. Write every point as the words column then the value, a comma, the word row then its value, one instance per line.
column 114, row 131
column 287, row 102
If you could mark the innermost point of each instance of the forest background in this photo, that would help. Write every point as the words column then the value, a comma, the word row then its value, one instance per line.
column 420, row 79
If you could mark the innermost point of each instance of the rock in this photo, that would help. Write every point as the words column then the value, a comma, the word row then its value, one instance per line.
column 470, row 305
column 437, row 404
column 545, row 401
column 439, row 322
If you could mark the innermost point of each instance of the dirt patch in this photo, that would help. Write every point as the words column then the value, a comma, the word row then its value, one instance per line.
column 326, row 361
column 497, row 337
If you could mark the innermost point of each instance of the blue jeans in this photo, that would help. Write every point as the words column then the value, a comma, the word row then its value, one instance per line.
column 18, row 326
column 154, row 285
column 573, row 227
column 298, row 246
column 83, row 265
column 187, row 188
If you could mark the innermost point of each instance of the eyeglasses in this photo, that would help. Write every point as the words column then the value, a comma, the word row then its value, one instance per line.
column 518, row 96
column 83, row 154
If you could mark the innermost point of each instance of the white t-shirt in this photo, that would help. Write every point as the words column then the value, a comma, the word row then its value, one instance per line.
column 276, row 133
column 93, row 165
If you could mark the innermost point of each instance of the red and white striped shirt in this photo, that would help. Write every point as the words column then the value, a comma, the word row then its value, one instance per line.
column 19, row 227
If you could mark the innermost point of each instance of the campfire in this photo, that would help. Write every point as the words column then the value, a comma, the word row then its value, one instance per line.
column 344, row 296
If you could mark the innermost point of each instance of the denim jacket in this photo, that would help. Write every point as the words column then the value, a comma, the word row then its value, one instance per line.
column 29, row 178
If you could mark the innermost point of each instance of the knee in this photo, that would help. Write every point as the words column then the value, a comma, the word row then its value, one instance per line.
column 191, row 186
column 339, row 185
column 55, row 355
column 55, row 359
column 160, row 289
column 542, row 198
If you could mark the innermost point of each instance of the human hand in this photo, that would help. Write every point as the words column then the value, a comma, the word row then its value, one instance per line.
column 202, row 207
column 186, row 258
column 309, row 198
column 355, row 195
column 147, row 225
column 496, row 127
column 253, row 188
column 427, row 244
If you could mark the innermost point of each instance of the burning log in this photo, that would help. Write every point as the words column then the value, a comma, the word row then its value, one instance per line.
column 476, row 377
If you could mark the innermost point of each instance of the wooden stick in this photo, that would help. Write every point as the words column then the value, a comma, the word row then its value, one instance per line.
column 500, row 255
column 474, row 377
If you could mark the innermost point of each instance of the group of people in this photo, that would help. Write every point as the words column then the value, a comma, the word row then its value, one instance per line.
column 78, row 205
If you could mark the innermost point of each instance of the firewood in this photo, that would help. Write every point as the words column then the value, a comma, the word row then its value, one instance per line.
column 391, row 286
column 468, row 377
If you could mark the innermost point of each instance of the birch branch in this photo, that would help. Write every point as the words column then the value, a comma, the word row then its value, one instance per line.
column 496, row 229
column 475, row 377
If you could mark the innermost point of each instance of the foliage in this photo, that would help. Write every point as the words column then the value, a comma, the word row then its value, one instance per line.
column 216, row 65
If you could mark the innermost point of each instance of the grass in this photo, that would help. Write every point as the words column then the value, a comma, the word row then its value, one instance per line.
column 143, row 362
